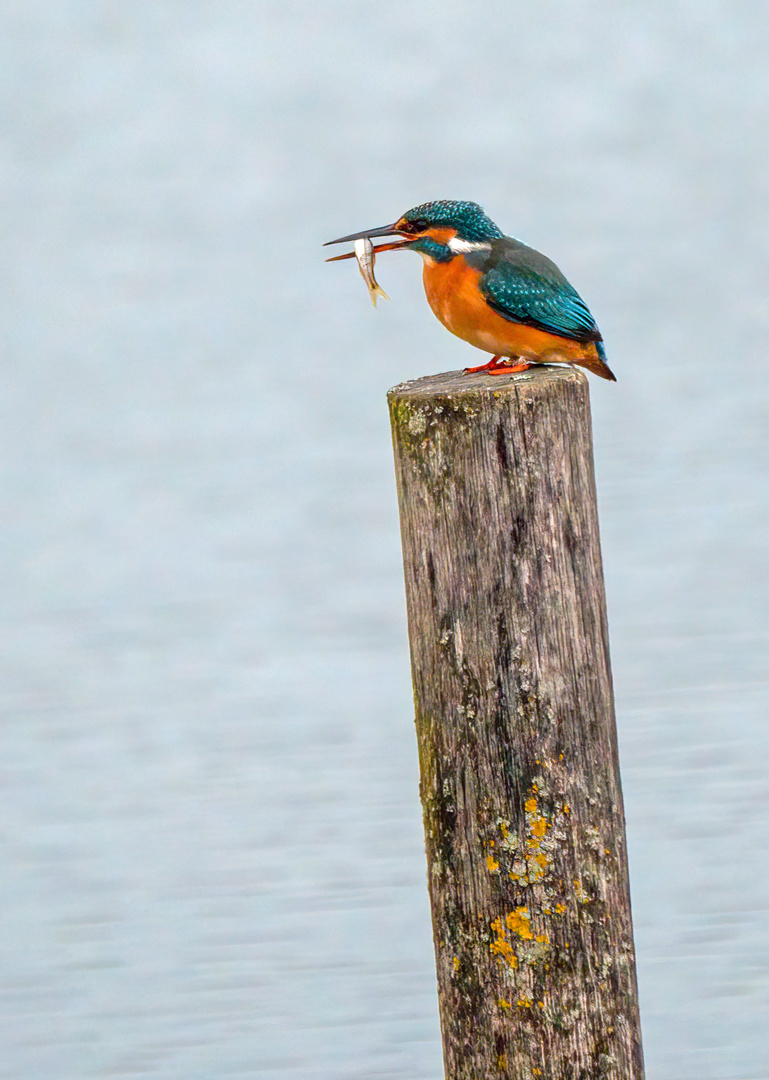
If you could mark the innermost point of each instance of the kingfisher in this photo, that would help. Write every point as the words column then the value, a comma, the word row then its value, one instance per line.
column 493, row 291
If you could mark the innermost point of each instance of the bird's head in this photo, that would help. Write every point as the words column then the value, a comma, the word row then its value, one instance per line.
column 437, row 230
column 445, row 219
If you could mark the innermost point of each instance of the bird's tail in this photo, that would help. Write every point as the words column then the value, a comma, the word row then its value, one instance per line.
column 596, row 361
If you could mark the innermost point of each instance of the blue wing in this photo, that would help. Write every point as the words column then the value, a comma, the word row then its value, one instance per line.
column 526, row 287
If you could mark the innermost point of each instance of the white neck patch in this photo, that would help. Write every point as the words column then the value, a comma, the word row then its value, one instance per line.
column 462, row 247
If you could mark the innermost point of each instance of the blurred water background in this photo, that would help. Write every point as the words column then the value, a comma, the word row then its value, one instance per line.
column 212, row 853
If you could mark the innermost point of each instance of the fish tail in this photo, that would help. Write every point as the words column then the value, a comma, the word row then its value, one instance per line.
column 378, row 291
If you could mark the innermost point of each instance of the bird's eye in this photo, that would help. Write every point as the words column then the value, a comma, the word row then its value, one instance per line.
column 420, row 225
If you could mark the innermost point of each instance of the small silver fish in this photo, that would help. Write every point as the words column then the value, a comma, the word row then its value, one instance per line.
column 364, row 253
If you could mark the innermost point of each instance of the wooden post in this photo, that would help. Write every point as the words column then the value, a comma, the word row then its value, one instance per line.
column 520, row 784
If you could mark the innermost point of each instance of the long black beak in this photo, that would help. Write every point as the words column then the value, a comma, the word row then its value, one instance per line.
column 385, row 230
column 392, row 246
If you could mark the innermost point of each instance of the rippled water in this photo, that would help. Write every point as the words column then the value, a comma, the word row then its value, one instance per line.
column 212, row 860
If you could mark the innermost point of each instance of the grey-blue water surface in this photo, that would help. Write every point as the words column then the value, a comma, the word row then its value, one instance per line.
column 212, row 853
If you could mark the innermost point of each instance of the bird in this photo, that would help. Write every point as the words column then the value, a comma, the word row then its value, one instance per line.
column 494, row 291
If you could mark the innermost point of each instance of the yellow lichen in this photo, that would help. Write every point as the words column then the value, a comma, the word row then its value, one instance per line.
column 503, row 1004
column 518, row 922
column 491, row 864
column 539, row 827
column 524, row 1003
column 501, row 946
column 530, row 805
column 456, row 963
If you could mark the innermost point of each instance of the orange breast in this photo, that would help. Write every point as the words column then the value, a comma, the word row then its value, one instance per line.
column 453, row 294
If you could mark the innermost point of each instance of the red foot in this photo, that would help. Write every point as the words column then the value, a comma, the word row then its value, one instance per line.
column 495, row 368
column 492, row 364
column 501, row 369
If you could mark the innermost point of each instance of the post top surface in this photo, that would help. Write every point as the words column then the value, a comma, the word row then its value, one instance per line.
column 536, row 381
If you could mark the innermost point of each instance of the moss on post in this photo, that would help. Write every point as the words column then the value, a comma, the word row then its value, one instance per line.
column 515, row 724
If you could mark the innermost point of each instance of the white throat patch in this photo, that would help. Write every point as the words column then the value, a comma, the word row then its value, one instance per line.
column 462, row 247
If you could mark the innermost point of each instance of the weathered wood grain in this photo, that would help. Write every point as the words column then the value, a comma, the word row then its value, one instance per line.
column 515, row 723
